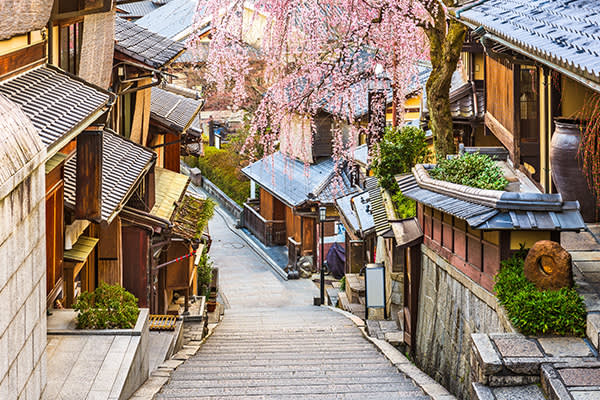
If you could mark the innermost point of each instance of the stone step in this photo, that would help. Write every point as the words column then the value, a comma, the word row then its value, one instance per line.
column 355, row 287
column 377, row 395
column 287, row 355
column 529, row 392
column 292, row 390
column 270, row 366
column 376, row 368
column 258, row 379
column 193, row 383
column 280, row 348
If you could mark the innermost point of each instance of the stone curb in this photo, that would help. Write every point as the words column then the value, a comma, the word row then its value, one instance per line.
column 162, row 374
column 399, row 360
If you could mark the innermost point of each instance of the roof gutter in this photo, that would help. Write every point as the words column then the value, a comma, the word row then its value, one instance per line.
column 468, row 7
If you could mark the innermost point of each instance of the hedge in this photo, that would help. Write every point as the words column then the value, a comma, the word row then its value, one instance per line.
column 538, row 312
column 222, row 167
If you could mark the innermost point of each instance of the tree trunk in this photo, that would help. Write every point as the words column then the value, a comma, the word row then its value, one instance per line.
column 445, row 48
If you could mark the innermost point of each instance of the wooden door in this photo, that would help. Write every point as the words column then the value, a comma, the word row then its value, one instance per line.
column 136, row 262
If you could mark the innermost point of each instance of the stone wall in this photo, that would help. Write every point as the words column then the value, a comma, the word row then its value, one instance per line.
column 451, row 308
column 23, row 283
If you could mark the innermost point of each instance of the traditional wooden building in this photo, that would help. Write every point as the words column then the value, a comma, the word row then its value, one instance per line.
column 140, row 59
column 174, row 125
column 61, row 106
column 538, row 61
column 285, row 212
column 117, row 172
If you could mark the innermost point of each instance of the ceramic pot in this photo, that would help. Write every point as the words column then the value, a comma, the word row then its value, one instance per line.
column 566, row 173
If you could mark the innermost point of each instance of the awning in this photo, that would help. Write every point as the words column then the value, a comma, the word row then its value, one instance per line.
column 170, row 187
column 173, row 110
column 407, row 232
column 81, row 249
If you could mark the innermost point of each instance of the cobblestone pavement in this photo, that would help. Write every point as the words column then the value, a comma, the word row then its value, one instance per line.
column 274, row 344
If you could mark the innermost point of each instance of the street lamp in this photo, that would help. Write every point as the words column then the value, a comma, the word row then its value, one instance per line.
column 322, row 216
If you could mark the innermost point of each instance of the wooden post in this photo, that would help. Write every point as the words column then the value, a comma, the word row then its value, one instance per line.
column 88, row 192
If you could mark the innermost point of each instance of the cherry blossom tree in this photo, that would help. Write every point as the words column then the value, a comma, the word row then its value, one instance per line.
column 317, row 52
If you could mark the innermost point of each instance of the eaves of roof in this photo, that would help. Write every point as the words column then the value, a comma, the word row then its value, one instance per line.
column 59, row 105
column 562, row 34
column 147, row 47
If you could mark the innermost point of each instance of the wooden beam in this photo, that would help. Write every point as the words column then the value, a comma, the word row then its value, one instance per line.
column 505, row 136
column 22, row 59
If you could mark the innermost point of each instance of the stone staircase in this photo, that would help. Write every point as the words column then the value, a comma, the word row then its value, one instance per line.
column 352, row 299
column 288, row 353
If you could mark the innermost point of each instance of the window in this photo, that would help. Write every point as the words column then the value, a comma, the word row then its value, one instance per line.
column 70, row 46
column 68, row 7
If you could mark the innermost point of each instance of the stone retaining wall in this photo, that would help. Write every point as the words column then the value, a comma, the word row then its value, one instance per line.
column 451, row 308
column 225, row 201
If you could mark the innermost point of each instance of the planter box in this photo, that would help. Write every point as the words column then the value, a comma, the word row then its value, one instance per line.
column 128, row 349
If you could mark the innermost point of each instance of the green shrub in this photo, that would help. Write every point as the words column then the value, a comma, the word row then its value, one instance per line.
column 205, row 274
column 472, row 169
column 223, row 168
column 534, row 312
column 107, row 307
column 398, row 152
column 191, row 161
column 404, row 207
column 207, row 212
column 343, row 283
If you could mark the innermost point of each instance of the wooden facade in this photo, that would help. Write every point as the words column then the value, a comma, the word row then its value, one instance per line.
column 54, row 231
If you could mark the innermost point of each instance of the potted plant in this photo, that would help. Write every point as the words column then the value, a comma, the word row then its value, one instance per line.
column 211, row 301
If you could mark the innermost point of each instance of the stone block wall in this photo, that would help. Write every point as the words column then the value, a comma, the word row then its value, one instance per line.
column 451, row 308
column 23, row 285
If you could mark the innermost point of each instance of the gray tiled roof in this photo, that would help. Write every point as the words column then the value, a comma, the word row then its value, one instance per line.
column 356, row 208
column 123, row 164
column 137, row 9
column 564, row 32
column 55, row 102
column 291, row 180
column 378, row 211
column 143, row 45
column 173, row 110
column 524, row 211
column 171, row 19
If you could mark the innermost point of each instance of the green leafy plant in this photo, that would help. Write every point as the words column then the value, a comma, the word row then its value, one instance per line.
column 397, row 153
column 404, row 207
column 107, row 307
column 205, row 268
column 207, row 212
column 343, row 283
column 471, row 169
column 534, row 312
column 223, row 168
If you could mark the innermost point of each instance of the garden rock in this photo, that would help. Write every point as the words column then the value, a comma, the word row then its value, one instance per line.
column 548, row 266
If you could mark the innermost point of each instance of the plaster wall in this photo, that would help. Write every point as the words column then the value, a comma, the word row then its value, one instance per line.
column 22, row 286
column 451, row 308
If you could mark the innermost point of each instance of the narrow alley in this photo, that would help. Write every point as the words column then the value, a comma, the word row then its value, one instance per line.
column 272, row 343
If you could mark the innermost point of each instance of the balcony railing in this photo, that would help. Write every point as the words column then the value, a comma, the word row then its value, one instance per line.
column 269, row 232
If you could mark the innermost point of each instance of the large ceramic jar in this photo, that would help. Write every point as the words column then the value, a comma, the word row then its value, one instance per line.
column 566, row 173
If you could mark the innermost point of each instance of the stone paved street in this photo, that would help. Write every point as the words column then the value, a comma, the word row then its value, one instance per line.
column 273, row 343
